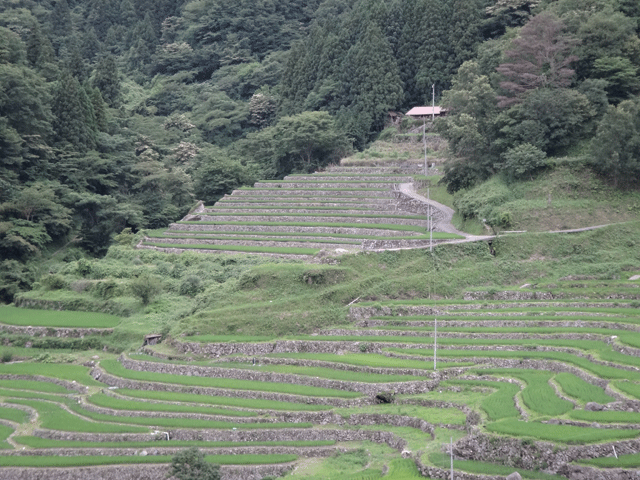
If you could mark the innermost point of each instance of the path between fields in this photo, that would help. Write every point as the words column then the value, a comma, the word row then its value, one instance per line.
column 444, row 223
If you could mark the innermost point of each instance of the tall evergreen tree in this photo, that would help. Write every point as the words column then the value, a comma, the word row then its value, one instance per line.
column 72, row 113
column 107, row 80
column 371, row 82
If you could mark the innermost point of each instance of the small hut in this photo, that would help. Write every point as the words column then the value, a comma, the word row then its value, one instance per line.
column 151, row 339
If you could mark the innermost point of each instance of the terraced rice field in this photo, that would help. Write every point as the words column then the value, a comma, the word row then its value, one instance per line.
column 345, row 209
column 521, row 371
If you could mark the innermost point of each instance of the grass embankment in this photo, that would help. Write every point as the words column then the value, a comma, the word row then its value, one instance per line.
column 52, row 318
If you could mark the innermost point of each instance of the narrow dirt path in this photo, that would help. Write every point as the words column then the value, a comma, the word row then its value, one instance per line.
column 443, row 220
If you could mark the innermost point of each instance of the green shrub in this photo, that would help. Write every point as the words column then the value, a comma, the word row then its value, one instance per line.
column 145, row 287
column 191, row 286
column 53, row 282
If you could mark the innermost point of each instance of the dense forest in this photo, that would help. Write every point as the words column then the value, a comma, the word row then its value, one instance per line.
column 119, row 114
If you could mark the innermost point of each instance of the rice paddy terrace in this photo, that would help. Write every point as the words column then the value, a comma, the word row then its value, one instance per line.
column 344, row 209
column 543, row 380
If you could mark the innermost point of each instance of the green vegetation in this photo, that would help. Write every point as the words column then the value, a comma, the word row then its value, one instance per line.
column 13, row 414
column 484, row 468
column 501, row 403
column 579, row 389
column 33, row 385
column 55, row 417
column 71, row 373
column 623, row 461
column 51, row 318
column 107, row 401
column 5, row 431
column 568, row 434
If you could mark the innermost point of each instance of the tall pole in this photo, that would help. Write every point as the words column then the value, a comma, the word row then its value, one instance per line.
column 430, row 222
column 433, row 102
column 451, row 453
column 424, row 141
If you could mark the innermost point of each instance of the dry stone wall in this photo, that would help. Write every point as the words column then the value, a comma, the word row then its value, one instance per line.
column 55, row 331
column 409, row 387
column 136, row 472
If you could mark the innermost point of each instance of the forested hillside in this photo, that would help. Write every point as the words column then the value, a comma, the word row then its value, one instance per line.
column 118, row 115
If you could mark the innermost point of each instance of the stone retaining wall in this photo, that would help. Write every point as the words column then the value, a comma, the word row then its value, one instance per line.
column 55, row 331
column 317, row 418
column 324, row 185
column 178, row 251
column 198, row 227
column 362, row 313
column 99, row 374
column 264, row 192
column 372, row 389
column 261, row 435
column 324, row 451
column 371, row 323
column 337, row 366
column 137, row 472
column 304, row 219
column 535, row 455
column 388, row 244
column 257, row 242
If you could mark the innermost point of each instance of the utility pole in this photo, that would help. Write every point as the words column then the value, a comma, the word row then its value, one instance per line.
column 430, row 222
column 433, row 102
column 451, row 453
column 424, row 141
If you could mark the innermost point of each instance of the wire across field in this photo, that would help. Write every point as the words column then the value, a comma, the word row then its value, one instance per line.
column 115, row 368
column 53, row 318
